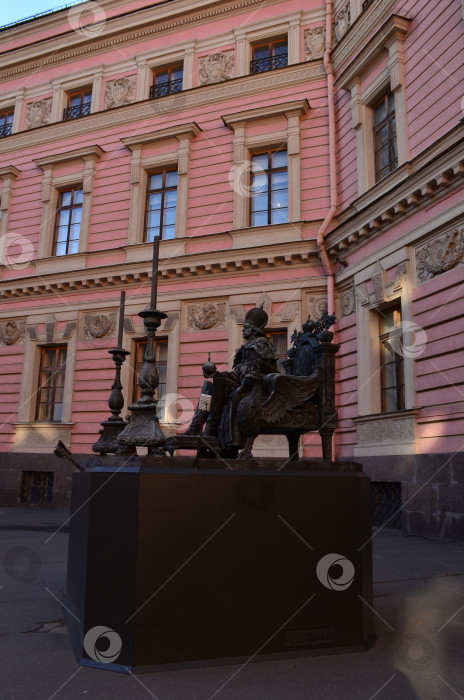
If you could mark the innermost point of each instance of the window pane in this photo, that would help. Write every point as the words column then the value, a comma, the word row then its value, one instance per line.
column 152, row 232
column 156, row 181
column 76, row 215
column 66, row 199
column 74, row 233
column 9, row 118
column 260, row 162
column 279, row 49
column 63, row 217
column 171, row 178
column 177, row 73
column 170, row 199
column 169, row 217
column 60, row 249
column 259, row 219
column 382, row 136
column 154, row 201
column 78, row 197
column 73, row 247
column 153, row 218
column 259, row 183
column 389, row 398
column 87, row 98
column 259, row 203
column 75, row 101
column 279, row 180
column 261, row 52
column 161, row 77
column 61, row 234
column 391, row 102
column 390, row 375
column 169, row 232
column 279, row 159
column 279, row 216
column 279, row 199
column 387, row 320
column 57, row 412
column 380, row 112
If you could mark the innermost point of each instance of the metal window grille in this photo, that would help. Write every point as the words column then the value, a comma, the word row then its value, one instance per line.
column 168, row 88
column 76, row 111
column 5, row 130
column 386, row 504
column 261, row 65
column 37, row 487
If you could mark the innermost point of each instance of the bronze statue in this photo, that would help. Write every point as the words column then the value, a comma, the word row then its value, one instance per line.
column 255, row 398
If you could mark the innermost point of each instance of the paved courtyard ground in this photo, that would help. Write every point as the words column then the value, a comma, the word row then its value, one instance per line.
column 418, row 598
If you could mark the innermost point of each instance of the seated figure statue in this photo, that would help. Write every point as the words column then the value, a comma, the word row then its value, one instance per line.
column 216, row 406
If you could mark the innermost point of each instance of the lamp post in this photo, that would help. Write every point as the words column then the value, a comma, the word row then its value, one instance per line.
column 143, row 428
column 112, row 426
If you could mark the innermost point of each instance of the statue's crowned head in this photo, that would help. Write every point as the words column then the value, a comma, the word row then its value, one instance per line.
column 257, row 318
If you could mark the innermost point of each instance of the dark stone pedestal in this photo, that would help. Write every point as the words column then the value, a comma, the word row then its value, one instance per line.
column 193, row 565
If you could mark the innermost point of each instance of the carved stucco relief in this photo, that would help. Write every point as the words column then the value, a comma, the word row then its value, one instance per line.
column 342, row 23
column 201, row 317
column 120, row 92
column 38, row 113
column 12, row 332
column 314, row 43
column 440, row 254
column 99, row 325
column 382, row 291
column 216, row 67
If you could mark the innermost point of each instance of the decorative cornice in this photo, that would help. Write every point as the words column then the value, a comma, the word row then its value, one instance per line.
column 247, row 86
column 294, row 106
column 394, row 26
column 116, row 33
column 301, row 254
column 179, row 131
column 355, row 37
column 413, row 194
column 77, row 154
column 9, row 171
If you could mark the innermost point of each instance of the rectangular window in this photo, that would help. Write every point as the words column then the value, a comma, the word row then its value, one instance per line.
column 51, row 383
column 6, row 123
column 37, row 487
column 68, row 222
column 167, row 81
column 160, row 218
column 385, row 143
column 161, row 349
column 269, row 56
column 391, row 361
column 279, row 341
column 79, row 104
column 269, row 188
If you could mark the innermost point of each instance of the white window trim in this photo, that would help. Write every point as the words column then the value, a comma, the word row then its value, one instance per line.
column 7, row 175
column 150, row 61
column 62, row 87
column 141, row 166
column 251, row 34
column 51, row 184
column 245, row 144
column 26, row 425
column 389, row 38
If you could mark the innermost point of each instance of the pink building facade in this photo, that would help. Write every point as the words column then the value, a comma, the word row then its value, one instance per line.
column 293, row 153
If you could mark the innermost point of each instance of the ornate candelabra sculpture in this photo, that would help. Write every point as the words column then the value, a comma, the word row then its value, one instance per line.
column 143, row 428
column 112, row 426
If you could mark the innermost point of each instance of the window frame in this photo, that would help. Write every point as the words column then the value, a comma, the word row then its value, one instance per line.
column 82, row 93
column 163, row 191
column 392, row 143
column 269, row 172
column 271, row 44
column 167, row 69
column 384, row 338
column 9, row 112
column 70, row 208
column 40, row 388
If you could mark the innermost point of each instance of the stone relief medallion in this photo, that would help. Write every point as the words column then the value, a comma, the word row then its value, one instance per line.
column 120, row 92
column 202, row 317
column 342, row 23
column 440, row 255
column 38, row 113
column 99, row 325
column 347, row 302
column 12, row 332
column 216, row 67
column 314, row 43
column 316, row 306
